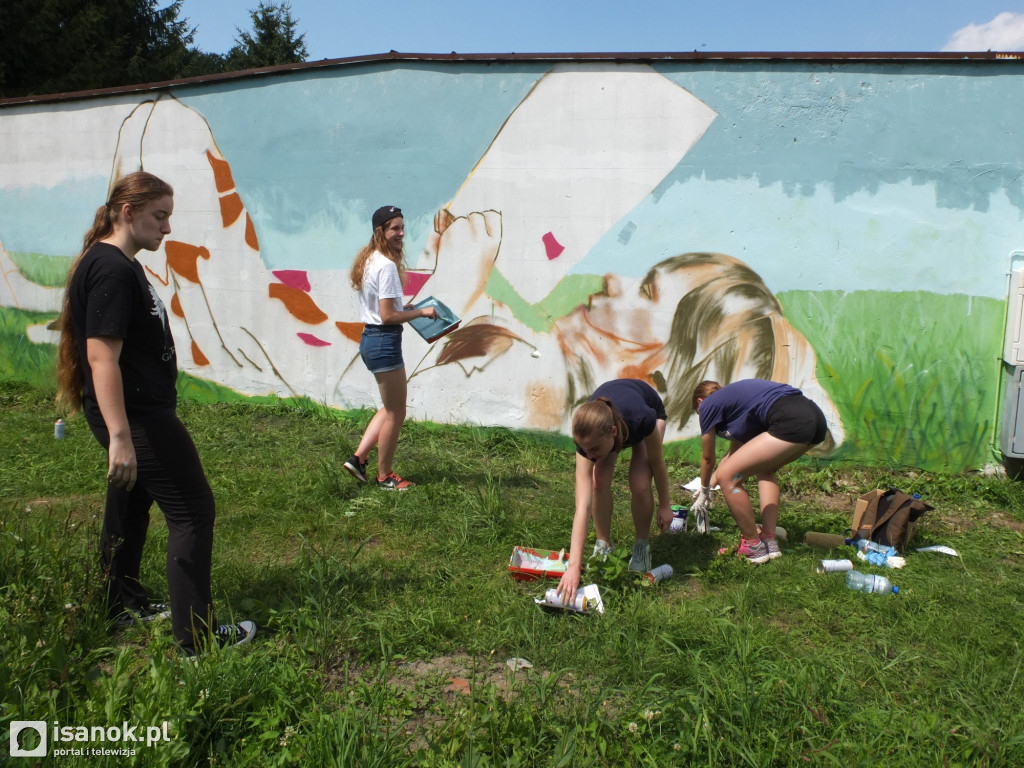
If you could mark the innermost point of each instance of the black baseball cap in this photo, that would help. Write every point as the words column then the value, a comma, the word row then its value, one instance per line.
column 384, row 214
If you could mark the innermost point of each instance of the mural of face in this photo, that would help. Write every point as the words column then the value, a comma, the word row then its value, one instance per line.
column 692, row 317
column 502, row 254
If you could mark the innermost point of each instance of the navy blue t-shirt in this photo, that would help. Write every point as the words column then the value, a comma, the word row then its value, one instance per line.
column 110, row 297
column 638, row 404
column 739, row 411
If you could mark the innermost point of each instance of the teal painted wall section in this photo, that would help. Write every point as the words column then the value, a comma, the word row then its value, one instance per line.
column 845, row 226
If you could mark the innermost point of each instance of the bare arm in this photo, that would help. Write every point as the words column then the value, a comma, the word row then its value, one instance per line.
column 103, row 354
column 707, row 459
column 570, row 581
column 391, row 316
column 656, row 460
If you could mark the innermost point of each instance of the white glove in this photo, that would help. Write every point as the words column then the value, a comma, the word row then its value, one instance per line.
column 703, row 499
column 700, row 507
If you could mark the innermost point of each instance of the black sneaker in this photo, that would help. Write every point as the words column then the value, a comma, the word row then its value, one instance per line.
column 152, row 612
column 232, row 635
column 356, row 468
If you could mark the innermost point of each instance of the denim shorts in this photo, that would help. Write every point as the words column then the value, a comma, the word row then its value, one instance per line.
column 381, row 348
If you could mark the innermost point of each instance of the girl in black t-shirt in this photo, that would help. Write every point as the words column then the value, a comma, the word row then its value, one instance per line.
column 116, row 362
column 623, row 413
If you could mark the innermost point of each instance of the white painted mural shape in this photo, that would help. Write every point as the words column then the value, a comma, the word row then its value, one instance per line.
column 582, row 150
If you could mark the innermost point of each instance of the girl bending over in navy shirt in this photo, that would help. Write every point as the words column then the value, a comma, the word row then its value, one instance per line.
column 623, row 413
column 768, row 425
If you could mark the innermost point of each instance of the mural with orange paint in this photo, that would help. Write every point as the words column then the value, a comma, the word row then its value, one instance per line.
column 501, row 253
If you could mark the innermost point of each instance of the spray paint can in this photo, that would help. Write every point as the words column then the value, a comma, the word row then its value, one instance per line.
column 552, row 598
column 679, row 519
column 833, row 566
column 58, row 430
column 658, row 574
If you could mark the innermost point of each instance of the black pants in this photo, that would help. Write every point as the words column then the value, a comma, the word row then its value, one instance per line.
column 171, row 474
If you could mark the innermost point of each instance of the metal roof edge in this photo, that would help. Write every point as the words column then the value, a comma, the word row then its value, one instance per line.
column 624, row 57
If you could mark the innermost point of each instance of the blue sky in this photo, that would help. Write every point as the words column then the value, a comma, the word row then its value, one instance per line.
column 336, row 29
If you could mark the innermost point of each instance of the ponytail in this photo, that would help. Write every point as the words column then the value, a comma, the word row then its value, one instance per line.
column 136, row 189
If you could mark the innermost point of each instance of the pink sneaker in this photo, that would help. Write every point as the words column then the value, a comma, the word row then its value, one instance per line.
column 755, row 550
column 773, row 546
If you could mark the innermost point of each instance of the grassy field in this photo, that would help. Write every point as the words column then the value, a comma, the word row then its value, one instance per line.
column 386, row 620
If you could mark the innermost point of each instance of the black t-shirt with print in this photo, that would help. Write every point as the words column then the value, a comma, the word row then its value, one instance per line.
column 110, row 296
column 637, row 402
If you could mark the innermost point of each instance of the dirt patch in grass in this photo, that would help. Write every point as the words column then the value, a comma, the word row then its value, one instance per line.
column 431, row 689
column 830, row 502
column 82, row 506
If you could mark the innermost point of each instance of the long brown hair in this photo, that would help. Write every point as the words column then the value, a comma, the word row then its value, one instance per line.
column 597, row 417
column 137, row 189
column 377, row 243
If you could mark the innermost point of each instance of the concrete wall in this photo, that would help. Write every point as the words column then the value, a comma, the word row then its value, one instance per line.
column 845, row 226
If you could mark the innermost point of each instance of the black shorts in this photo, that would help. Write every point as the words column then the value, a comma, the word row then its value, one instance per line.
column 796, row 419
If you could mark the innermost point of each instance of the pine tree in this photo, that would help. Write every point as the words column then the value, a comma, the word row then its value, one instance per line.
column 58, row 46
column 272, row 41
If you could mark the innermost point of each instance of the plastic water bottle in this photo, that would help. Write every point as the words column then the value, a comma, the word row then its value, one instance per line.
column 867, row 546
column 58, row 430
column 870, row 582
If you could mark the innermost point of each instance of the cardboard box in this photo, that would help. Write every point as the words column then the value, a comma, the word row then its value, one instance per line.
column 528, row 564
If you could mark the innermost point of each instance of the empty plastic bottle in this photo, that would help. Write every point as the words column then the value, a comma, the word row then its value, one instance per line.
column 870, row 582
column 867, row 545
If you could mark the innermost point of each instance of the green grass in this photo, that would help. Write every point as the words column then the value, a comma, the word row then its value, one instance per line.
column 385, row 620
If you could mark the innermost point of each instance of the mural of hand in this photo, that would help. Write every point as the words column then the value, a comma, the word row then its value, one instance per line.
column 464, row 250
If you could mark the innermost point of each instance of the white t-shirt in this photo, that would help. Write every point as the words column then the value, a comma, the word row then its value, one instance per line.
column 380, row 281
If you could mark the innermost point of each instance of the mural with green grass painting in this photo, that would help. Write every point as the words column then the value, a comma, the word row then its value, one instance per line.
column 877, row 362
column 844, row 226
column 914, row 374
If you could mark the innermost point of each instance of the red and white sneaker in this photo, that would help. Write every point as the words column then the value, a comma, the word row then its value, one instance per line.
column 394, row 483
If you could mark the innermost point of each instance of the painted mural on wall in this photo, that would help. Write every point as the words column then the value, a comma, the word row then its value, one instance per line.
column 571, row 245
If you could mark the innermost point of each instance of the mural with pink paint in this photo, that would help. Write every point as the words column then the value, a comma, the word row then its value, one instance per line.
column 504, row 252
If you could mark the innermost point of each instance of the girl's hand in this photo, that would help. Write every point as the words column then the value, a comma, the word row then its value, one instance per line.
column 428, row 312
column 665, row 516
column 569, row 583
column 122, row 468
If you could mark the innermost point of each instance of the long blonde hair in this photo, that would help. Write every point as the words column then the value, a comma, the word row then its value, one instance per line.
column 597, row 417
column 377, row 243
column 137, row 189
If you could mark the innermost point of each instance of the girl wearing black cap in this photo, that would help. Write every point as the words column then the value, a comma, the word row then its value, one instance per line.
column 378, row 275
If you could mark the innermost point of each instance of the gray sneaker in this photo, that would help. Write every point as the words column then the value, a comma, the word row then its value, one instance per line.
column 756, row 552
column 640, row 559
column 601, row 549
column 773, row 547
